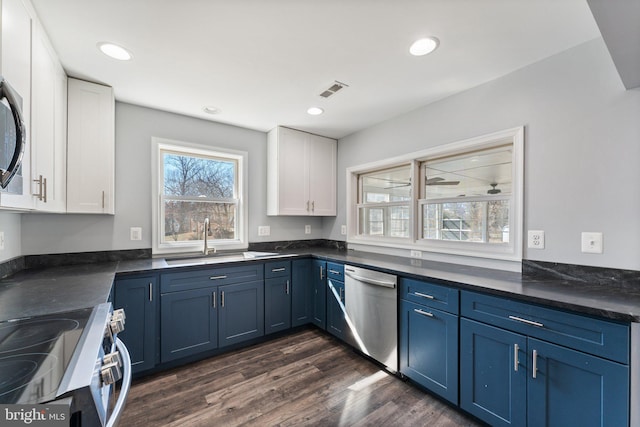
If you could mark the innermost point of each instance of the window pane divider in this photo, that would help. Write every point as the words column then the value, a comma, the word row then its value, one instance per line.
column 465, row 199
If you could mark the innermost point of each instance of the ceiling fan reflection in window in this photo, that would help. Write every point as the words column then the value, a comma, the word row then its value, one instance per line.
column 438, row 180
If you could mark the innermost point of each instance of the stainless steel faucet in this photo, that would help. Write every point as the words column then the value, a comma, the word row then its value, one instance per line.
column 206, row 249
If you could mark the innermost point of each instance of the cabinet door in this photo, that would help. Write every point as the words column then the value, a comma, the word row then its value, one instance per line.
column 301, row 292
column 91, row 148
column 138, row 296
column 189, row 323
column 277, row 304
column 322, row 175
column 48, row 127
column 493, row 383
column 574, row 388
column 336, row 323
column 429, row 348
column 319, row 293
column 241, row 314
column 288, row 173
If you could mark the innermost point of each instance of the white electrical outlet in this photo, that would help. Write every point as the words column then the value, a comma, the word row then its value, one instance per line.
column 1, row 240
column 343, row 230
column 536, row 239
column 416, row 254
column 264, row 230
column 135, row 233
column 307, row 229
column 592, row 242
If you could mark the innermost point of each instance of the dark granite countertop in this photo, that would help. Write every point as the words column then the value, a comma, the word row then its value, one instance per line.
column 36, row 292
column 40, row 291
column 609, row 299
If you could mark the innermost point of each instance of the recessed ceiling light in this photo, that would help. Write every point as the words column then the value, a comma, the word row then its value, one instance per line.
column 114, row 51
column 315, row 111
column 424, row 46
column 210, row 109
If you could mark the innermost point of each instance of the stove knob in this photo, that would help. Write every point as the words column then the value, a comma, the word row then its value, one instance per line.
column 112, row 358
column 110, row 373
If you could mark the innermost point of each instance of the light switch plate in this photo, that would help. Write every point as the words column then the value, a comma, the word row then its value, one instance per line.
column 343, row 230
column 536, row 239
column 1, row 240
column 264, row 230
column 592, row 242
column 307, row 229
column 415, row 254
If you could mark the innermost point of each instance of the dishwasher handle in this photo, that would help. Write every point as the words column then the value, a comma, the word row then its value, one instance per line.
column 370, row 281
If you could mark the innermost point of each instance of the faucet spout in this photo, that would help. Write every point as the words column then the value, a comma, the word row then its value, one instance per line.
column 205, row 250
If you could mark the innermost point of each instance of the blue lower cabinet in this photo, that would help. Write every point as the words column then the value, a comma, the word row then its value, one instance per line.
column 301, row 292
column 189, row 323
column 336, row 316
column 508, row 379
column 277, row 304
column 319, row 293
column 429, row 348
column 241, row 312
column 138, row 297
column 571, row 388
column 493, row 384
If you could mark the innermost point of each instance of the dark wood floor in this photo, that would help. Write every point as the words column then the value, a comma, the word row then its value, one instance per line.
column 307, row 378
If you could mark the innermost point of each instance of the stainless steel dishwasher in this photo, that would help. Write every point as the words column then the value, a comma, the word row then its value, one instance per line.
column 372, row 313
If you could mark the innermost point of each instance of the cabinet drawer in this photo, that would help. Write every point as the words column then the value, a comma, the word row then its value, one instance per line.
column 277, row 269
column 202, row 278
column 595, row 336
column 335, row 271
column 429, row 294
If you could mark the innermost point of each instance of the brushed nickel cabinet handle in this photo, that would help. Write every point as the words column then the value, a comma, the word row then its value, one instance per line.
column 213, row 299
column 221, row 299
column 286, row 289
column 150, row 291
column 217, row 277
column 535, row 363
column 44, row 190
column 39, row 181
column 336, row 272
column 276, row 270
column 515, row 357
column 321, row 273
column 420, row 294
column 313, row 206
column 424, row 313
column 102, row 199
column 307, row 206
column 528, row 322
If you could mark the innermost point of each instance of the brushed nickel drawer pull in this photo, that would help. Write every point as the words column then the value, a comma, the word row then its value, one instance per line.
column 515, row 357
column 150, row 291
column 276, row 270
column 528, row 322
column 535, row 363
column 424, row 313
column 213, row 299
column 287, row 288
column 335, row 272
column 217, row 277
column 419, row 294
column 222, row 299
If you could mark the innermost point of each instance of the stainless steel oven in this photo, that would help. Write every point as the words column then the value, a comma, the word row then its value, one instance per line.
column 12, row 139
column 72, row 358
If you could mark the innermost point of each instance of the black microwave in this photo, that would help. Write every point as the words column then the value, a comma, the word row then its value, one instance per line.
column 12, row 132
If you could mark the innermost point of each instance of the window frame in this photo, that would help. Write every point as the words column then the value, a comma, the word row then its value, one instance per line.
column 511, row 251
column 160, row 145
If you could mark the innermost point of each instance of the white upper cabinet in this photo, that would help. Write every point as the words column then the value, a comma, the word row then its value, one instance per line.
column 49, row 127
column 301, row 173
column 90, row 148
column 16, row 69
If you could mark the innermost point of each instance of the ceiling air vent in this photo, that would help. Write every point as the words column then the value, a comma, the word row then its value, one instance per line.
column 333, row 89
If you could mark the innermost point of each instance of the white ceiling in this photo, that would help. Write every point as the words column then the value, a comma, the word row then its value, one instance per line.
column 263, row 63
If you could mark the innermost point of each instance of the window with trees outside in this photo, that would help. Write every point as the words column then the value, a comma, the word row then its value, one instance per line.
column 194, row 184
column 463, row 198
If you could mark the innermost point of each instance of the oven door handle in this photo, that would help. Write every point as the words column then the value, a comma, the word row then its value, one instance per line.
column 126, row 384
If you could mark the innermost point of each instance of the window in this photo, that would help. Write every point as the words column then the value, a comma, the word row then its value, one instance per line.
column 195, row 183
column 466, row 197
column 384, row 199
column 463, row 198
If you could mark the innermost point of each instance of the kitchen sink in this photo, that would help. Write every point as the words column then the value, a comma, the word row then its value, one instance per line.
column 219, row 257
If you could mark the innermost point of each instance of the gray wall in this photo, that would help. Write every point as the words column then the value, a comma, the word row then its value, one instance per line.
column 10, row 225
column 49, row 233
column 582, row 149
